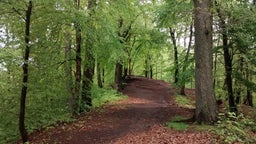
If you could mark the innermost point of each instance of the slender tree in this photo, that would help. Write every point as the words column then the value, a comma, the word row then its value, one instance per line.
column 206, row 107
column 22, row 128
column 228, row 62
column 184, row 67
column 176, row 60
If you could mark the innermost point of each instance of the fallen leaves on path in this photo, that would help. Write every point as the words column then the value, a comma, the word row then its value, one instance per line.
column 139, row 119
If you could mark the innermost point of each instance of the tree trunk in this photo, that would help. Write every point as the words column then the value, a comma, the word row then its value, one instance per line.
column 100, row 85
column 118, row 76
column 151, row 71
column 238, row 86
column 87, row 78
column 89, row 63
column 146, row 68
column 228, row 64
column 206, row 107
column 68, row 72
column 176, row 61
column 103, row 75
column 125, row 73
column 124, row 38
column 129, row 66
column 249, row 99
column 182, row 89
column 78, row 73
column 23, row 131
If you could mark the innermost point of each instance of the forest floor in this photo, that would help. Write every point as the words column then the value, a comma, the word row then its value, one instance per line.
column 139, row 119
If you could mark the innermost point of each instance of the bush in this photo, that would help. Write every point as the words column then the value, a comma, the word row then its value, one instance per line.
column 231, row 128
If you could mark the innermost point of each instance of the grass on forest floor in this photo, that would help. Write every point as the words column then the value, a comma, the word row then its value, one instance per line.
column 175, row 123
column 184, row 101
column 101, row 96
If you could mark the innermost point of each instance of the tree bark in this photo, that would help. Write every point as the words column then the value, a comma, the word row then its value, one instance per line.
column 176, row 60
column 182, row 89
column 23, row 131
column 151, row 71
column 206, row 107
column 228, row 64
column 89, row 63
column 146, row 68
column 68, row 72
column 124, row 38
column 125, row 73
column 249, row 99
column 87, row 78
column 118, row 76
column 78, row 73
column 99, row 79
column 238, row 86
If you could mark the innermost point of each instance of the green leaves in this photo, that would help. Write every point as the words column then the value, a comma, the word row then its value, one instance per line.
column 174, row 12
column 232, row 128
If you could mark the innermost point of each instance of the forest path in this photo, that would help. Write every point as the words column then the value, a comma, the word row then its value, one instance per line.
column 140, row 119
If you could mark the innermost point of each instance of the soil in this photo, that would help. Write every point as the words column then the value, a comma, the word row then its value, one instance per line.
column 139, row 119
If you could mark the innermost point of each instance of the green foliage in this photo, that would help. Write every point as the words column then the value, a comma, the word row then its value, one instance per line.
column 177, row 125
column 231, row 128
column 184, row 101
column 174, row 124
column 101, row 96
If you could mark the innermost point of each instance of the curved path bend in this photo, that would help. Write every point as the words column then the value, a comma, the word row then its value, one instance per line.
column 139, row 119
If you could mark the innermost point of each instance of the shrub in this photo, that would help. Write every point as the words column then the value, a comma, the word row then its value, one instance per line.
column 231, row 128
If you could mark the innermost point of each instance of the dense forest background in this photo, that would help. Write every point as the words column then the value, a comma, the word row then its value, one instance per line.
column 60, row 58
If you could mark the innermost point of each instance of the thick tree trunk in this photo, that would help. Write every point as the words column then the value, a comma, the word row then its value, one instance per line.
column 206, row 107
column 23, row 131
column 176, row 61
column 182, row 89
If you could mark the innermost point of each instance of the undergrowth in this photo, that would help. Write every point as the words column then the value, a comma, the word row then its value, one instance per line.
column 231, row 129
column 101, row 96
column 184, row 101
column 175, row 123
column 47, row 114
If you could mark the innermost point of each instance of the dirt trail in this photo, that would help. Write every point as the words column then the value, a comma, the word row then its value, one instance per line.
column 137, row 120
